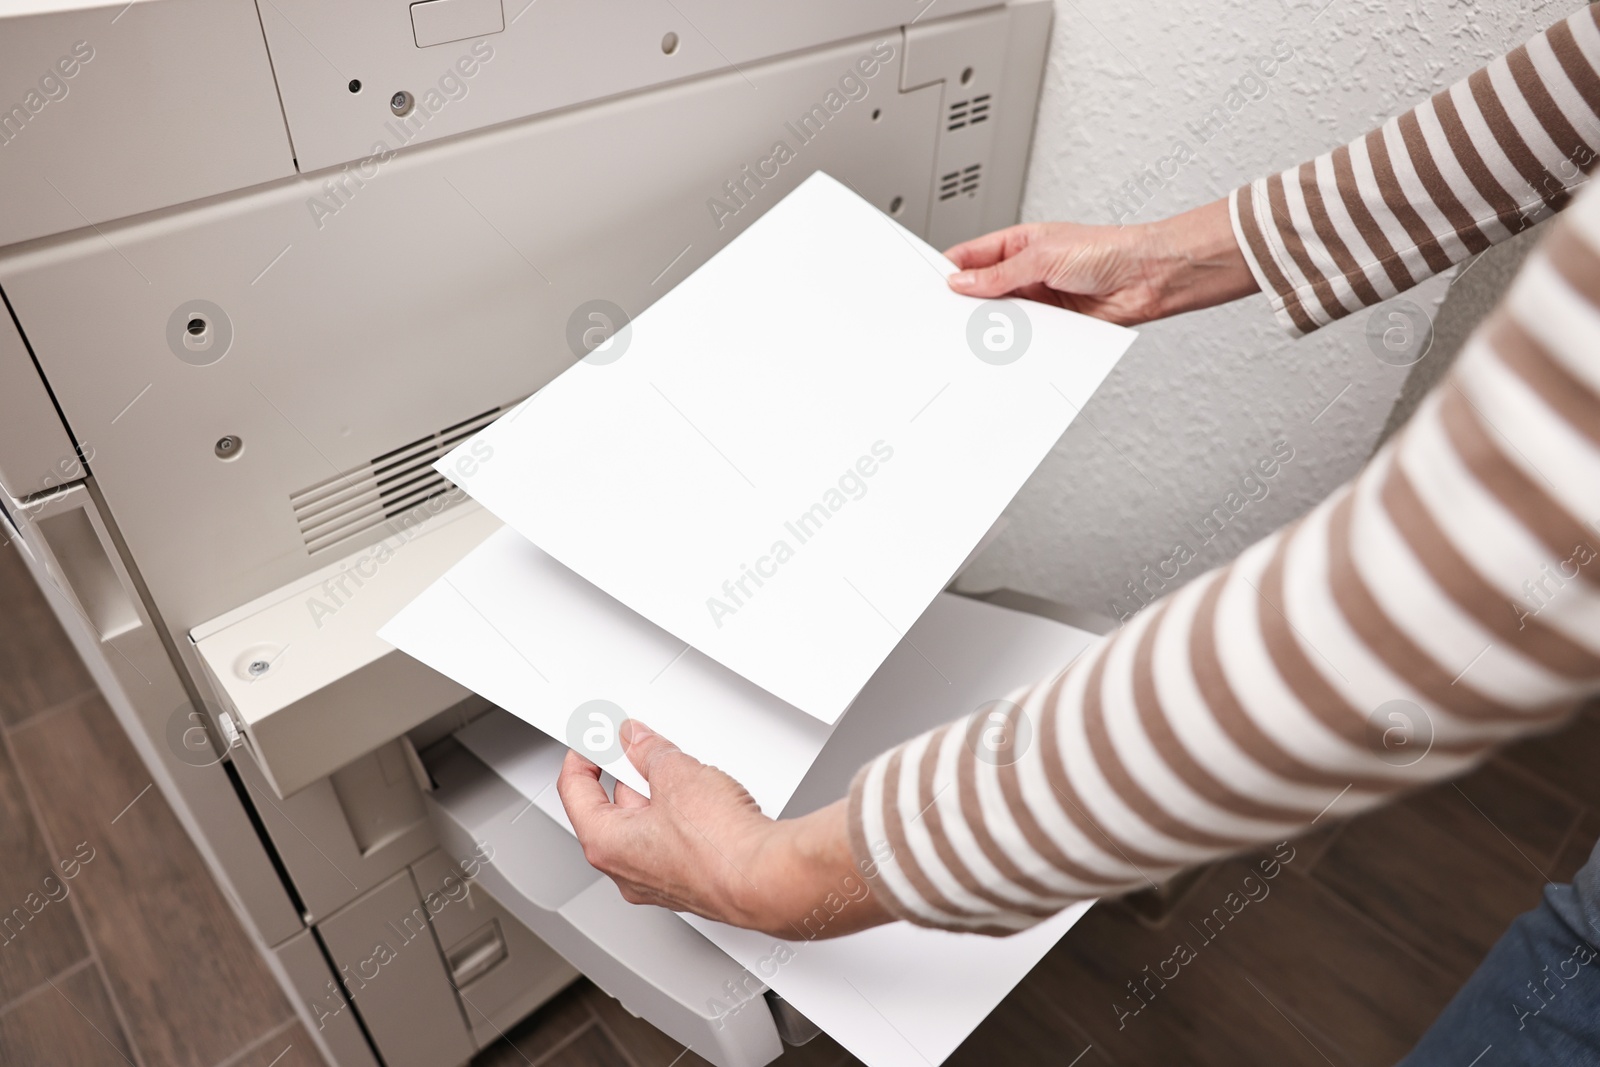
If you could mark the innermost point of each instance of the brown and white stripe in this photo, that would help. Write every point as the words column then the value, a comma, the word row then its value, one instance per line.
column 1481, row 161
column 1236, row 711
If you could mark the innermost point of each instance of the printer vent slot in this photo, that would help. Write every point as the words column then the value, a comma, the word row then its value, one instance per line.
column 960, row 182
column 965, row 113
column 390, row 488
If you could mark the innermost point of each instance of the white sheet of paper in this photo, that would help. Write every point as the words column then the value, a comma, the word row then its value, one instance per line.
column 518, row 628
column 897, row 995
column 784, row 459
column 886, row 994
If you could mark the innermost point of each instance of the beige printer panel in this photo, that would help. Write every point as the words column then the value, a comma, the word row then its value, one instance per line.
column 261, row 264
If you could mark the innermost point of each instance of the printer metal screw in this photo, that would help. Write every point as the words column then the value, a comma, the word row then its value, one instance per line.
column 400, row 103
column 228, row 447
column 258, row 667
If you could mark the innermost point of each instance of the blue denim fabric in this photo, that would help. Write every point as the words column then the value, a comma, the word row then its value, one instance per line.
column 1535, row 999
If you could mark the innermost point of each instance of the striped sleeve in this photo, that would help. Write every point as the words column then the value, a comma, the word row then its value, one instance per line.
column 1445, row 601
column 1481, row 161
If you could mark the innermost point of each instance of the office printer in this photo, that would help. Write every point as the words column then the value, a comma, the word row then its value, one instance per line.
column 262, row 265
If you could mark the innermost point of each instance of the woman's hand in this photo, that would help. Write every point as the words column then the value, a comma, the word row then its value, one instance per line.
column 698, row 843
column 1124, row 274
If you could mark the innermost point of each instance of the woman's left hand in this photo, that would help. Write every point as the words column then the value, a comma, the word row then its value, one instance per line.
column 698, row 843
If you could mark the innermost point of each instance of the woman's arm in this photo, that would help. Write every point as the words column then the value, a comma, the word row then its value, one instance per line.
column 1477, row 163
column 1124, row 274
column 1444, row 602
column 698, row 843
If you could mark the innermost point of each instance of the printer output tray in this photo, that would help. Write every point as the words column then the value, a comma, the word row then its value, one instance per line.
column 653, row 962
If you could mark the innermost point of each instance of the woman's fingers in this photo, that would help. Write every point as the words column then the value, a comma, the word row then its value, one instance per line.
column 987, row 250
column 629, row 797
column 649, row 752
column 1007, row 276
column 582, row 795
column 700, row 842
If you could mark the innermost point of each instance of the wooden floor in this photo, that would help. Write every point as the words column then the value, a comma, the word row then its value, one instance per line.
column 1359, row 942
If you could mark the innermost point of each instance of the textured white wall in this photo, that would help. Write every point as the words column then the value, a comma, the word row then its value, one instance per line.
column 1201, row 398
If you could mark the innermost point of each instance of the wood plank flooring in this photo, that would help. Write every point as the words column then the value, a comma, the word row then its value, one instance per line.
column 1361, row 939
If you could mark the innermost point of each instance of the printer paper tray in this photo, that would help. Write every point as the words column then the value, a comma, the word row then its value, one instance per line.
column 654, row 962
column 660, row 968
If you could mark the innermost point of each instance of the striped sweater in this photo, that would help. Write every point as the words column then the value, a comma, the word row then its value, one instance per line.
column 1481, row 161
column 1445, row 601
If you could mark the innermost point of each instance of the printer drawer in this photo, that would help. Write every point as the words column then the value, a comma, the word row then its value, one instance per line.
column 301, row 676
column 650, row 960
column 655, row 963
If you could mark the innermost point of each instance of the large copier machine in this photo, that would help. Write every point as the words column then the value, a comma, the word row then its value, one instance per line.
column 262, row 264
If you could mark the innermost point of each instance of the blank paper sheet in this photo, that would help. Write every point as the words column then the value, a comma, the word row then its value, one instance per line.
column 784, row 459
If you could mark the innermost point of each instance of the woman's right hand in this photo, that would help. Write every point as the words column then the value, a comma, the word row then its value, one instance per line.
column 1124, row 274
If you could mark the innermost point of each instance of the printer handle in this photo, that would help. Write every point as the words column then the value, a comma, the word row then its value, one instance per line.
column 63, row 529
